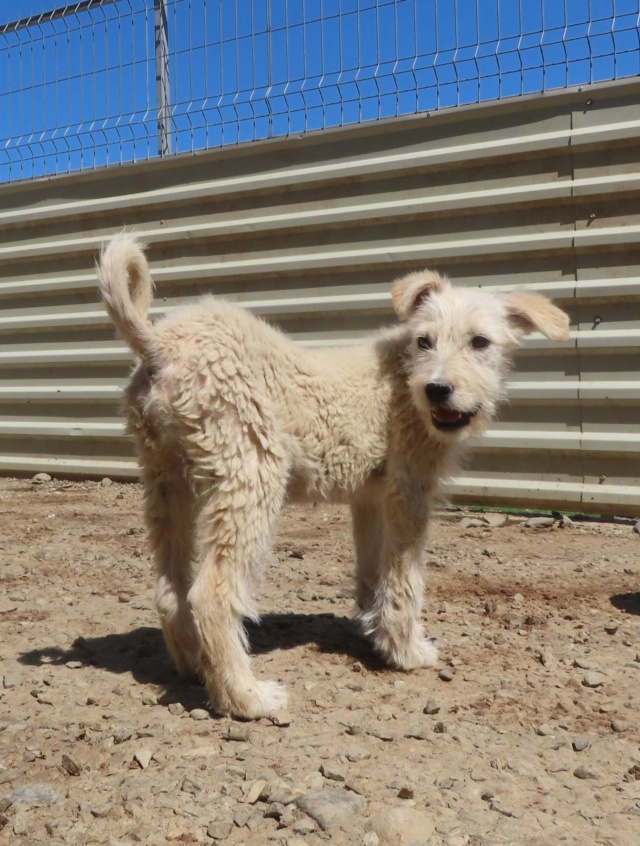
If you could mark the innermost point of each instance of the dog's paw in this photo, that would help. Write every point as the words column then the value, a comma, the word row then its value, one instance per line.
column 264, row 698
column 420, row 653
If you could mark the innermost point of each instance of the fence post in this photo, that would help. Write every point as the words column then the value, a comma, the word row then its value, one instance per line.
column 162, row 77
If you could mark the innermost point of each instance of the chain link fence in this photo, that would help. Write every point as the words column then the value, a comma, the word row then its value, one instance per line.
column 100, row 82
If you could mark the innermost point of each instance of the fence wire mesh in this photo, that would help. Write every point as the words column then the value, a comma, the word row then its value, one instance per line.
column 98, row 82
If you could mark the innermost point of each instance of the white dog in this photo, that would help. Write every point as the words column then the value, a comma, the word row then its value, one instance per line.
column 231, row 418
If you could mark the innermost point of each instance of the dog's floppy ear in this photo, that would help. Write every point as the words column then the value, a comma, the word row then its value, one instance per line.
column 528, row 312
column 409, row 292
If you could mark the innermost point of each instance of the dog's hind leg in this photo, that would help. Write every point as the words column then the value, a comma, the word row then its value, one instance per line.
column 368, row 535
column 238, row 511
column 391, row 616
column 170, row 517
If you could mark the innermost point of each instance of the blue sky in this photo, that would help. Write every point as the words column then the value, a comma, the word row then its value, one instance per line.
column 80, row 92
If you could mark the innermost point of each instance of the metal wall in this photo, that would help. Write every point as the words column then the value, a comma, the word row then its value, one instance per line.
column 541, row 192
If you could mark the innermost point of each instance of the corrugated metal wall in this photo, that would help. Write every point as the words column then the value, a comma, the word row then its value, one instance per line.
column 540, row 192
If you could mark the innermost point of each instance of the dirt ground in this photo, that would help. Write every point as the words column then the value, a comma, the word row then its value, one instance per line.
column 533, row 740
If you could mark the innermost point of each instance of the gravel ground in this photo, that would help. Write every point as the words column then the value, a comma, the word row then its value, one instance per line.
column 527, row 732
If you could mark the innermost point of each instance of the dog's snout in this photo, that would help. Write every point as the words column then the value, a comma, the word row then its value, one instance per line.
column 438, row 392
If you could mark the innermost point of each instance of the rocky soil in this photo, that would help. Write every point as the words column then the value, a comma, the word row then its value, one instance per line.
column 527, row 732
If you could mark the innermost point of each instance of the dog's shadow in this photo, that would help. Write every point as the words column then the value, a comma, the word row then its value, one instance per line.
column 142, row 652
column 628, row 602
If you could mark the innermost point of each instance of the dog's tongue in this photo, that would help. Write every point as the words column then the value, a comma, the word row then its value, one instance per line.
column 444, row 415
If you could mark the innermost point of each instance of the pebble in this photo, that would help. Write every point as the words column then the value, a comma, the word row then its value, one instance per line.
column 176, row 708
column 71, row 766
column 274, row 811
column 618, row 726
column 496, row 521
column 219, row 829
column 585, row 772
column 20, row 824
column 237, row 732
column 440, row 727
column 545, row 730
column 35, row 795
column 370, row 839
column 470, row 523
column 333, row 773
column 611, row 628
column 10, row 680
column 539, row 522
column 446, row 674
column 432, row 706
column 106, row 482
column 199, row 714
column 593, row 680
column 143, row 756
column 40, row 478
column 74, row 665
column 121, row 734
column 255, row 791
column 281, row 719
column 636, row 528
column 402, row 826
column 330, row 808
column 580, row 743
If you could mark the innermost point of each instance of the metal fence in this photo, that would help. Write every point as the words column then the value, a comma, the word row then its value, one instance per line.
column 541, row 192
column 99, row 82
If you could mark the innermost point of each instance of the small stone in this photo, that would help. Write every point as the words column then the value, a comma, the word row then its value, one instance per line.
column 593, row 680
column 496, row 521
column 636, row 528
column 432, row 706
column 274, row 811
column 237, row 732
column 106, row 482
column 446, row 674
column 40, row 478
column 487, row 795
column 611, row 628
column 143, row 756
column 219, row 829
column 547, row 659
column 191, row 787
column 176, row 708
column 20, row 824
column 74, row 665
column 402, row 826
column 371, row 839
column 281, row 719
column 199, row 714
column 304, row 826
column 330, row 808
column 539, row 522
column 618, row 726
column 242, row 814
column 10, row 680
column 470, row 523
column 71, row 766
column 565, row 522
column 255, row 791
column 121, row 734
column 440, row 727
column 406, row 792
column 580, row 743
column 331, row 772
column 35, row 795
column 585, row 772
column 544, row 730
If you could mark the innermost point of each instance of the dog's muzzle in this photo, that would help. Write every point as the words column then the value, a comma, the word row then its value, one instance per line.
column 444, row 418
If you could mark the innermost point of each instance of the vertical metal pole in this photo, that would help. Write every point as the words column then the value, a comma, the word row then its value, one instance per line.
column 162, row 77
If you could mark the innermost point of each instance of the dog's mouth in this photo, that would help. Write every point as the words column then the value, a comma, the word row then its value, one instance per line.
column 449, row 420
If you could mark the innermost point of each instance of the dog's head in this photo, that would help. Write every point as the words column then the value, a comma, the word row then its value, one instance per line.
column 462, row 341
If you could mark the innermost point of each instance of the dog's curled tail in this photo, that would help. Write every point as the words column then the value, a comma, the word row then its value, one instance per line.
column 127, row 289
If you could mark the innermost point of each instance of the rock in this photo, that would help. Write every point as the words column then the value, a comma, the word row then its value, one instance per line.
column 618, row 725
column 496, row 521
column 106, row 482
column 371, row 839
column 239, row 733
column 176, row 708
column 580, row 743
column 71, row 766
column 539, row 522
column 432, row 706
column 20, row 824
column 255, row 791
column 593, row 680
column 242, row 814
column 10, row 680
column 611, row 628
column 565, row 522
column 446, row 674
column 280, row 718
column 35, row 795
column 544, row 730
column 274, row 811
column 329, row 807
column 585, row 772
column 121, row 734
column 219, row 829
column 636, row 528
column 143, row 756
column 547, row 659
column 440, row 727
column 402, row 826
column 199, row 714
column 471, row 523
column 40, row 478
column 332, row 772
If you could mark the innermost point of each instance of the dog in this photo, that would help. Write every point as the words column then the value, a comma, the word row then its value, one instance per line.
column 232, row 419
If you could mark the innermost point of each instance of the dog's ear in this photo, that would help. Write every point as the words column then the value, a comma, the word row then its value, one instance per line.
column 409, row 292
column 528, row 312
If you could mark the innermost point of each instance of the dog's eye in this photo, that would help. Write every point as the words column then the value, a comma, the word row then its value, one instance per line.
column 479, row 342
column 425, row 343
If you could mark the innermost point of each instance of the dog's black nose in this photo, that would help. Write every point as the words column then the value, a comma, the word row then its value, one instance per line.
column 438, row 392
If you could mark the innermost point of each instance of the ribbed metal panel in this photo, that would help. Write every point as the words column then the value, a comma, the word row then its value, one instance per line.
column 542, row 193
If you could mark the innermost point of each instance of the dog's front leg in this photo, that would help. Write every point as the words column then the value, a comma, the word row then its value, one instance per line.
column 394, row 600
